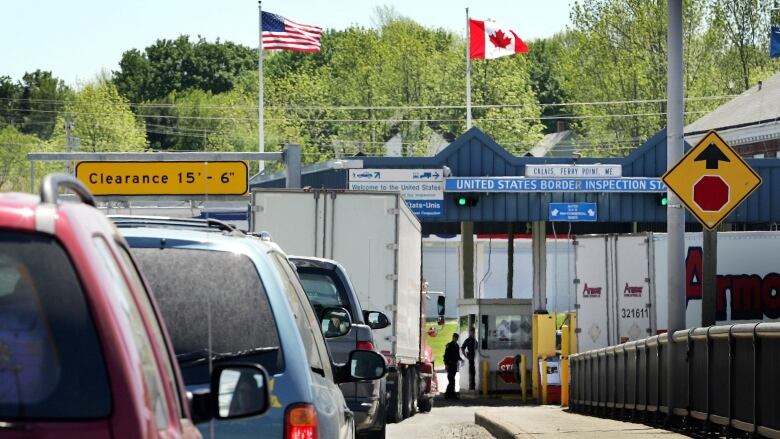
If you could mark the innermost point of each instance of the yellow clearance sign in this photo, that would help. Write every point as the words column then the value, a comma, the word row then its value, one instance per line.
column 164, row 178
column 711, row 180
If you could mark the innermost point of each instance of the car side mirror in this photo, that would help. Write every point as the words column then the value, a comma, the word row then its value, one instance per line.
column 362, row 366
column 440, row 302
column 335, row 322
column 376, row 319
column 238, row 390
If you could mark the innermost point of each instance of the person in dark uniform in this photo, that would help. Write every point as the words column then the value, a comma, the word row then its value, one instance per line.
column 451, row 360
column 469, row 350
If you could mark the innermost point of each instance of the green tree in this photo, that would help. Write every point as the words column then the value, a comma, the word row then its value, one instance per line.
column 358, row 82
column 14, row 167
column 616, row 51
column 742, row 26
column 40, row 99
column 547, row 77
column 511, row 111
column 102, row 121
column 179, row 65
column 9, row 99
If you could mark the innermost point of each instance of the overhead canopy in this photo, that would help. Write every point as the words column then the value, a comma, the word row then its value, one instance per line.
column 474, row 154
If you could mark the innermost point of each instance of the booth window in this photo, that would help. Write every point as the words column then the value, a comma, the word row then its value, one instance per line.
column 507, row 332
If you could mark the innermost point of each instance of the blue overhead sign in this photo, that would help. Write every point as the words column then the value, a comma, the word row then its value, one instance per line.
column 573, row 212
column 422, row 189
column 427, row 208
column 531, row 184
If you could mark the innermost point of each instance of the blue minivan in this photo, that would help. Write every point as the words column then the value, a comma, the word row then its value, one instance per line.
column 226, row 296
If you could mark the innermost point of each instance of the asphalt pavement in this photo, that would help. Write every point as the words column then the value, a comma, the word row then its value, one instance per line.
column 448, row 420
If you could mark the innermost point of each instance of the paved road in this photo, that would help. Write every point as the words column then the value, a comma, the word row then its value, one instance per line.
column 447, row 420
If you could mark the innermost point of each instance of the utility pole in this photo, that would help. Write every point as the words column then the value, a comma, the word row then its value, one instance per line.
column 72, row 142
column 675, row 215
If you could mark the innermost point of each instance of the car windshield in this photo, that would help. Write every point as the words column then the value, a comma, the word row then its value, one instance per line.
column 213, row 302
column 51, row 365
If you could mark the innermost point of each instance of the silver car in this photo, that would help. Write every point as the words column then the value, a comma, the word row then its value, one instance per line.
column 327, row 284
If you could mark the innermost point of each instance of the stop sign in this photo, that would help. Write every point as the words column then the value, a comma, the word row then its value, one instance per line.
column 506, row 370
column 711, row 193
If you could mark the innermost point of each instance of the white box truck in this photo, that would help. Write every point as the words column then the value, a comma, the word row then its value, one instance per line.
column 621, row 283
column 378, row 240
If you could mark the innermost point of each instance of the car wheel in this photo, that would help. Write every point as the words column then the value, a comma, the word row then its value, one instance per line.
column 395, row 402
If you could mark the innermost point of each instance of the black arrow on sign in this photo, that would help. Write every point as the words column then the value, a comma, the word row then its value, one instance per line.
column 712, row 155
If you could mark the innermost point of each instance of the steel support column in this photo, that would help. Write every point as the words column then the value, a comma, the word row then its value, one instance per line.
column 539, row 263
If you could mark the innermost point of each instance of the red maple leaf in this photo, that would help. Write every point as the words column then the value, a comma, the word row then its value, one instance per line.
column 499, row 39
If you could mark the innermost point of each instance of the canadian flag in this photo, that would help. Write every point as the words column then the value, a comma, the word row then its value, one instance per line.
column 490, row 40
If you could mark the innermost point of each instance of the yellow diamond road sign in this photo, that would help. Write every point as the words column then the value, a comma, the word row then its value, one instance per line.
column 164, row 178
column 711, row 180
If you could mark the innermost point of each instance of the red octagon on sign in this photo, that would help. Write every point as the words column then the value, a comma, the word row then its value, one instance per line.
column 711, row 193
column 505, row 370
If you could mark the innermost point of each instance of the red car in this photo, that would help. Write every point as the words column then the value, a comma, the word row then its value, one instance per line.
column 83, row 352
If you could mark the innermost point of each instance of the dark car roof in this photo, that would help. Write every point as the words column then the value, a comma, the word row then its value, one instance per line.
column 310, row 261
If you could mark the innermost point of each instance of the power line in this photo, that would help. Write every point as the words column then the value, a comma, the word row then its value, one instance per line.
column 388, row 121
column 364, row 107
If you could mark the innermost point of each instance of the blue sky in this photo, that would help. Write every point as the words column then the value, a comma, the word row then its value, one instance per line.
column 76, row 39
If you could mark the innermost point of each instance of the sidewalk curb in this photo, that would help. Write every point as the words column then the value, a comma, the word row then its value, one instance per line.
column 498, row 429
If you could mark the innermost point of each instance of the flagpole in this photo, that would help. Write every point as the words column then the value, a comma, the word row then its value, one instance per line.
column 260, row 106
column 468, row 71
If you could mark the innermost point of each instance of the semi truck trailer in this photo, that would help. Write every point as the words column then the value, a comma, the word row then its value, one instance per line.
column 621, row 283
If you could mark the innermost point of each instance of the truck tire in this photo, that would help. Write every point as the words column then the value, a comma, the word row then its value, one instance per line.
column 426, row 404
column 415, row 388
column 375, row 434
column 408, row 393
column 395, row 401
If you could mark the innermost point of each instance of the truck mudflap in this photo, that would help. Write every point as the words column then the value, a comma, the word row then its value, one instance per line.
column 428, row 382
column 428, row 387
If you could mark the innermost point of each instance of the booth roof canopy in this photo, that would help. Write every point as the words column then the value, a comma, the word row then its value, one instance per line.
column 474, row 154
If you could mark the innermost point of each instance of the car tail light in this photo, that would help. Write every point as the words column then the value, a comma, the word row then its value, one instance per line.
column 365, row 346
column 300, row 422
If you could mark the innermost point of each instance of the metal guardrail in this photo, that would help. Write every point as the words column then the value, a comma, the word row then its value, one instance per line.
column 727, row 376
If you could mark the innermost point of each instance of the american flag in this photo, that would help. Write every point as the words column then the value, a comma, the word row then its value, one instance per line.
column 280, row 33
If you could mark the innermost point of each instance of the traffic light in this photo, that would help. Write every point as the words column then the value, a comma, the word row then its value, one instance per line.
column 466, row 200
column 662, row 200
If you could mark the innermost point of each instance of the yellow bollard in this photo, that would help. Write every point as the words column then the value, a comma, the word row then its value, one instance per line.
column 544, row 381
column 485, row 376
column 543, row 345
column 565, row 341
column 523, row 377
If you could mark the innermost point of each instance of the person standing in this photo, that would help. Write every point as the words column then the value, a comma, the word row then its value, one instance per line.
column 451, row 360
column 469, row 349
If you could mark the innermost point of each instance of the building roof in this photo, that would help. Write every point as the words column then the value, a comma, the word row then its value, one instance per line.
column 474, row 154
column 752, row 116
column 558, row 144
